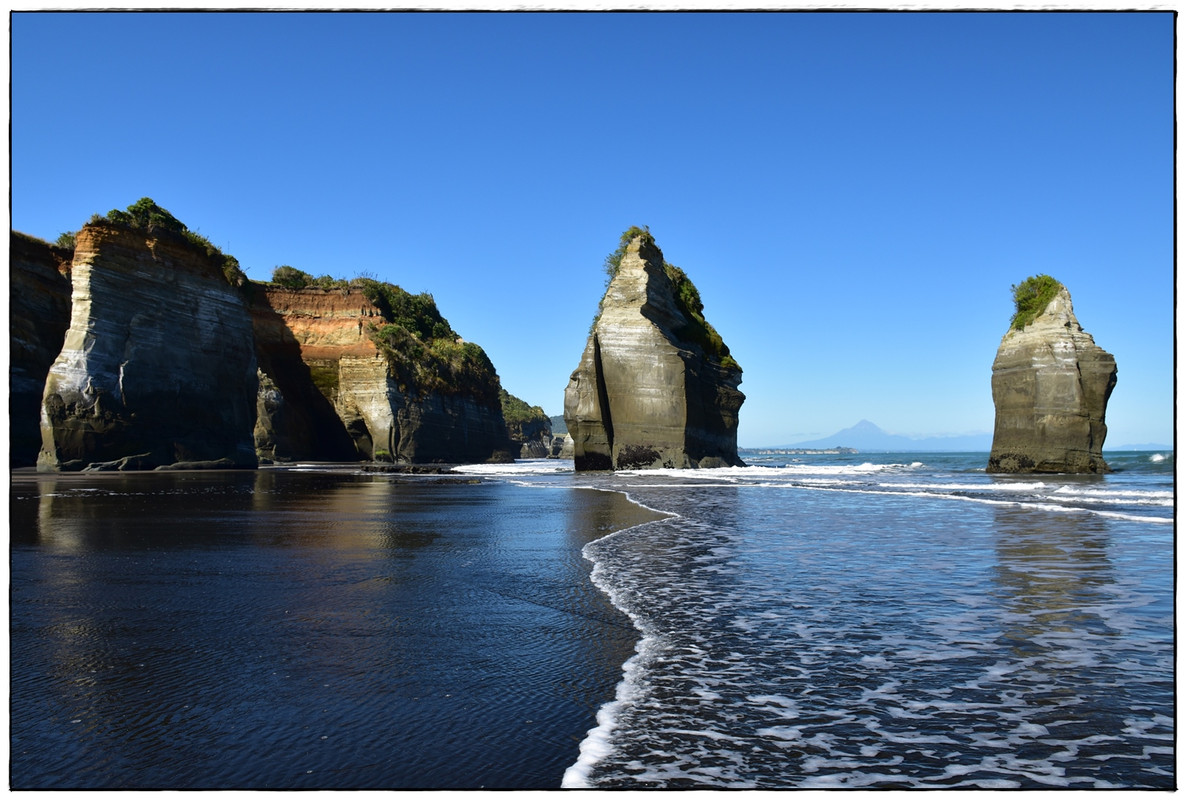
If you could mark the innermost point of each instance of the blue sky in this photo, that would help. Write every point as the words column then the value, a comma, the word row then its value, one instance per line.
column 853, row 193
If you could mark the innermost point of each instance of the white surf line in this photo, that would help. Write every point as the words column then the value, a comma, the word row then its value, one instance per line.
column 983, row 500
column 596, row 746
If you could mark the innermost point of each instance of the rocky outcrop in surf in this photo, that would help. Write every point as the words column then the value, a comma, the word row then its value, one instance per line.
column 656, row 386
column 1050, row 386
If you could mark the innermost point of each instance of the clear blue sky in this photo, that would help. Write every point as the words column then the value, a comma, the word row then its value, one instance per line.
column 853, row 193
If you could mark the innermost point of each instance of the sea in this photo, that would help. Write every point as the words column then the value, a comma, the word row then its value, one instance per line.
column 809, row 621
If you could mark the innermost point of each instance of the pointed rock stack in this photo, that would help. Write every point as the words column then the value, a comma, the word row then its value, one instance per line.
column 651, row 390
column 1050, row 386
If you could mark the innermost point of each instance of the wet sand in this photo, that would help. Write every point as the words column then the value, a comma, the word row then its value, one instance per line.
column 286, row 629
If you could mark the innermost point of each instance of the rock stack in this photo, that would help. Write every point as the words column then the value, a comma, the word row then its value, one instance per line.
column 1050, row 386
column 157, row 366
column 655, row 386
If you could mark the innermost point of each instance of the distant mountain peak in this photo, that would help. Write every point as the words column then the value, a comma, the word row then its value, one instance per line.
column 866, row 435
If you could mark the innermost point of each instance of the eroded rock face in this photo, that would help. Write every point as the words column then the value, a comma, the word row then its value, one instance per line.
column 331, row 389
column 561, row 447
column 157, row 366
column 1050, row 386
column 301, row 335
column 39, row 305
column 643, row 395
column 533, row 437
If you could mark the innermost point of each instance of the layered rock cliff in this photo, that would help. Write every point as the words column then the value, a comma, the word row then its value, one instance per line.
column 301, row 336
column 1050, row 386
column 655, row 386
column 157, row 366
column 347, row 371
column 39, row 308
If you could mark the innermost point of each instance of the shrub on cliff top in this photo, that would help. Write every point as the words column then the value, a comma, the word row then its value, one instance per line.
column 424, row 351
column 293, row 278
column 290, row 277
column 515, row 410
column 1030, row 298
column 447, row 365
column 417, row 313
column 145, row 215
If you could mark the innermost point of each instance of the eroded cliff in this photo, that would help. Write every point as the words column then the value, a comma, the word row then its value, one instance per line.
column 39, row 308
column 655, row 386
column 528, row 426
column 301, row 337
column 1050, row 386
column 157, row 366
column 367, row 368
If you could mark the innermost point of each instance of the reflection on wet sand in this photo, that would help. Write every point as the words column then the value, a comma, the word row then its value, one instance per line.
column 298, row 629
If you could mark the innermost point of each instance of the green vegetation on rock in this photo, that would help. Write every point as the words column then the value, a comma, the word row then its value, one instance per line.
column 1030, row 298
column 447, row 366
column 415, row 312
column 517, row 411
column 697, row 329
column 293, row 278
column 145, row 215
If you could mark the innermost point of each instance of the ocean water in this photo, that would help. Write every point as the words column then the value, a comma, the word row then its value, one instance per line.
column 888, row 621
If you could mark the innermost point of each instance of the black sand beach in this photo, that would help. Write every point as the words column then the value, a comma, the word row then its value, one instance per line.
column 320, row 629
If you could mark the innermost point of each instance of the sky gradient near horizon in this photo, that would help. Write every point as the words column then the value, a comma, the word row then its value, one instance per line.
column 853, row 193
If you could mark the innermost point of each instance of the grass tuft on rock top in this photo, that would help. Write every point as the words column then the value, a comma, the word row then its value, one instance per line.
column 293, row 278
column 613, row 262
column 1030, row 298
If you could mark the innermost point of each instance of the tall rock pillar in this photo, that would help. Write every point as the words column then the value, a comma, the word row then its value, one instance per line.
column 1050, row 386
column 655, row 387
column 157, row 366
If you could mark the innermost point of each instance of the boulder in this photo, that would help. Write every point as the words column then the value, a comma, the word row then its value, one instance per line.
column 1050, row 386
column 655, row 386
